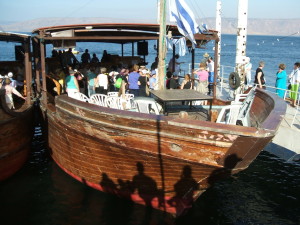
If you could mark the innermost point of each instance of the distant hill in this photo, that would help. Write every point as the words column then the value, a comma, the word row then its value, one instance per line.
column 255, row 26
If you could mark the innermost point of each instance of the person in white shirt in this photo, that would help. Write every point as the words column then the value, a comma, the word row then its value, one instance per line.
column 295, row 82
column 9, row 90
column 248, row 67
column 102, row 82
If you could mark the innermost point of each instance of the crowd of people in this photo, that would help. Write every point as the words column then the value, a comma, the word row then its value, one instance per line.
column 138, row 79
column 283, row 80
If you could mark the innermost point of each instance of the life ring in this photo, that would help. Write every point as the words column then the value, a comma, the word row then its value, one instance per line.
column 234, row 80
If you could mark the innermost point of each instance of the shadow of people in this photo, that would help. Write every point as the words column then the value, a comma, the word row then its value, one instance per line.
column 229, row 164
column 107, row 184
column 145, row 185
column 184, row 190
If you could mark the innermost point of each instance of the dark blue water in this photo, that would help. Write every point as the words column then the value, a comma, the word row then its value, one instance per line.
column 268, row 192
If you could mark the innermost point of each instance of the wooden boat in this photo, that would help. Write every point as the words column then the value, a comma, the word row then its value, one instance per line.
column 160, row 161
column 16, row 125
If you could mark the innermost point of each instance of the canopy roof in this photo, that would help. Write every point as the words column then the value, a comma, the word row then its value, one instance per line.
column 13, row 37
column 112, row 33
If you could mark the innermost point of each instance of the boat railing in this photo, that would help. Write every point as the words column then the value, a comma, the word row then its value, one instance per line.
column 223, row 87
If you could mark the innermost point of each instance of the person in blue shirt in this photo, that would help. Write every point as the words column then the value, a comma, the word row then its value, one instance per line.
column 133, row 78
column 281, row 80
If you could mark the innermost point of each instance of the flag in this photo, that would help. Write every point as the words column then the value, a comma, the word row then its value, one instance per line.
column 184, row 18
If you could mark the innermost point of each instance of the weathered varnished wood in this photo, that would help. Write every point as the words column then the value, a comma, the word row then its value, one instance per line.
column 97, row 145
column 15, row 137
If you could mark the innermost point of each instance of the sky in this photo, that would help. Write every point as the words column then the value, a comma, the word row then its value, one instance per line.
column 22, row 10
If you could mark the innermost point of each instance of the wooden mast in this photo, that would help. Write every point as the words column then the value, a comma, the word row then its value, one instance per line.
column 162, row 45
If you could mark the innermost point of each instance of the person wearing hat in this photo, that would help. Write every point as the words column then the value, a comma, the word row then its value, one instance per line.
column 9, row 90
column 102, row 81
column 202, row 75
column 72, row 84
column 153, row 80
column 143, row 83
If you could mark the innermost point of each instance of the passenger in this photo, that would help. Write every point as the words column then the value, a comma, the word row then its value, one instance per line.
column 13, row 81
column 105, row 57
column 9, row 90
column 174, row 82
column 153, row 81
column 81, row 81
column 94, row 59
column 169, row 76
column 85, row 57
column 91, row 75
column 143, row 83
column 72, row 84
column 210, row 67
column 61, row 76
column 174, row 68
column 281, row 81
column 154, row 65
column 102, row 82
column 1, row 80
column 70, row 58
column 123, row 75
column 202, row 74
column 187, row 82
column 295, row 82
column 248, row 68
column 259, row 76
column 111, row 80
column 133, row 78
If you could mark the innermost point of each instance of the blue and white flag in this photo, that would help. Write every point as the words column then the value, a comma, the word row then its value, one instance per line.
column 184, row 18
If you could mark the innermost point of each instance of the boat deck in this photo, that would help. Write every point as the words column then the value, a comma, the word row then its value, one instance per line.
column 286, row 143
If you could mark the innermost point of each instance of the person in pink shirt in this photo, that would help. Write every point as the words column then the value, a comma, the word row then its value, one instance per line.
column 202, row 77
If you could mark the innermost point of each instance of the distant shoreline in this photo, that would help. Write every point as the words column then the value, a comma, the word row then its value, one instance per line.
column 269, row 27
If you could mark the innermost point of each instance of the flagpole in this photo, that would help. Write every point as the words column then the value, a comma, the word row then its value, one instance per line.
column 162, row 45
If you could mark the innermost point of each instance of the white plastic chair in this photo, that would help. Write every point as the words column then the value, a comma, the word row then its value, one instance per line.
column 114, row 102
column 129, row 98
column 147, row 105
column 81, row 97
column 229, row 114
column 98, row 99
column 239, row 97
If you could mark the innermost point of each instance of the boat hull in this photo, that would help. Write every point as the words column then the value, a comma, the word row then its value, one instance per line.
column 158, row 161
column 15, row 137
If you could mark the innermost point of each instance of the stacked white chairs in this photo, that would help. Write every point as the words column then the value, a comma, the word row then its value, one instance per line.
column 98, row 99
column 129, row 98
column 114, row 102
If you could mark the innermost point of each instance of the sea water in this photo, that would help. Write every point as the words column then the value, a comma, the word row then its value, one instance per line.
column 268, row 192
